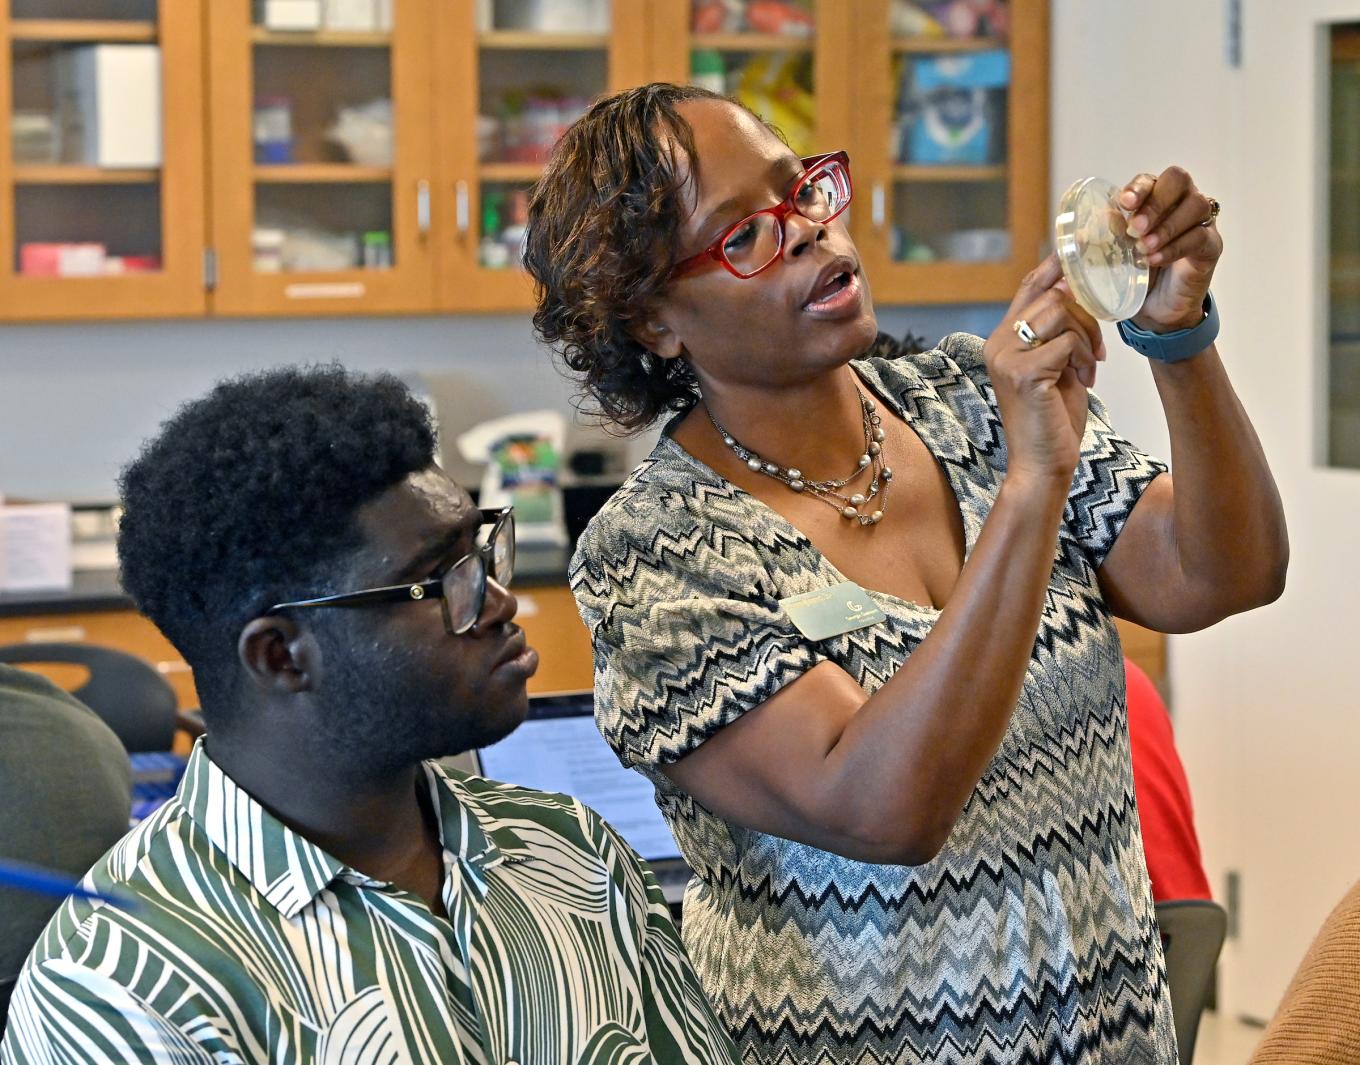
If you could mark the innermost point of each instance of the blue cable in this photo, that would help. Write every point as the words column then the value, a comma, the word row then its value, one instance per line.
column 40, row 881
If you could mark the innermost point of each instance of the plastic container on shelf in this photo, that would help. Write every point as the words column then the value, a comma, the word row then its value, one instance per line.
column 376, row 250
column 553, row 16
column 34, row 137
column 707, row 70
column 492, row 252
column 273, row 129
column 266, row 248
column 976, row 245
column 516, row 224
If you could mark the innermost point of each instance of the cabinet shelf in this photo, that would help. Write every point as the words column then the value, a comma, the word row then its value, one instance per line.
column 68, row 174
column 914, row 173
column 321, row 174
column 752, row 42
column 511, row 172
column 74, row 30
column 529, row 41
column 938, row 45
column 321, row 38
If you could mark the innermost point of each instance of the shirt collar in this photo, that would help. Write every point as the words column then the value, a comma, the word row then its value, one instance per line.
column 288, row 870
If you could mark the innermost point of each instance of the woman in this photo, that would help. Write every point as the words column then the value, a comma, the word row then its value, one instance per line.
column 913, row 826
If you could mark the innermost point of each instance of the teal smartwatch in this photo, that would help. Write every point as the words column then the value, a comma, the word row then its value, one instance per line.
column 1177, row 346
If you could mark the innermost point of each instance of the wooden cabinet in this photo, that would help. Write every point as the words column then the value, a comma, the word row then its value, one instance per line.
column 798, row 76
column 322, row 165
column 951, row 163
column 92, row 225
column 385, row 169
column 503, row 92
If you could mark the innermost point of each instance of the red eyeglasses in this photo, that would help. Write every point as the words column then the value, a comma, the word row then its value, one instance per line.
column 754, row 243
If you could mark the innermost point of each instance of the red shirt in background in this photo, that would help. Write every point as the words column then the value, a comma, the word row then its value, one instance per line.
column 1163, row 795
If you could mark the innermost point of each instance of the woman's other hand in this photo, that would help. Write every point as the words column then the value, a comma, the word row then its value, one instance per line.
column 1041, row 384
column 1168, row 215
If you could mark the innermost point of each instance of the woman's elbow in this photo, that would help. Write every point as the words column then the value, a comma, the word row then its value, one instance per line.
column 895, row 840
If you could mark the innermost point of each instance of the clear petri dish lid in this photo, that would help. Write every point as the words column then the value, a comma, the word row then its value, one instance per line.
column 1107, row 273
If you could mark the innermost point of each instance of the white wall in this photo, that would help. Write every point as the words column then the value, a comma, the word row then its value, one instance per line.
column 76, row 400
column 1264, row 703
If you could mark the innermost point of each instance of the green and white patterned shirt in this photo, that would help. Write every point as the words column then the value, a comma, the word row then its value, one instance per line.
column 250, row 944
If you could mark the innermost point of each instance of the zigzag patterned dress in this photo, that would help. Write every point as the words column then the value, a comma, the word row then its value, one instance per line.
column 1031, row 936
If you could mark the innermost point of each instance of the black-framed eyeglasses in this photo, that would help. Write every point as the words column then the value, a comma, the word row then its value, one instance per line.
column 460, row 587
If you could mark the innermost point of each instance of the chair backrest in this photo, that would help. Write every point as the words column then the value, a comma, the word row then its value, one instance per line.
column 127, row 693
column 1192, row 935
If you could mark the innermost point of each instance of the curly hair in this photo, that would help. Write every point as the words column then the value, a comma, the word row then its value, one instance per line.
column 601, row 243
column 248, row 497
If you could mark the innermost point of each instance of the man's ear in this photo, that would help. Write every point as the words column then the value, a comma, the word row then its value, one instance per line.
column 279, row 656
column 657, row 337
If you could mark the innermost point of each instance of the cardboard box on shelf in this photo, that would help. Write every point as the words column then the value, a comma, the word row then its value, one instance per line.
column 292, row 15
column 354, row 15
column 109, row 102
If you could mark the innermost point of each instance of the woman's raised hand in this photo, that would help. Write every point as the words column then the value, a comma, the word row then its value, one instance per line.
column 1042, row 359
column 1175, row 224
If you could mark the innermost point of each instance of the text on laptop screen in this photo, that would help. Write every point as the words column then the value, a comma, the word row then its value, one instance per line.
column 559, row 749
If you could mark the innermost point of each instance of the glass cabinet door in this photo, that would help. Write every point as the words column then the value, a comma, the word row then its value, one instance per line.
column 787, row 60
column 951, row 177
column 516, row 73
column 101, row 205
column 321, row 156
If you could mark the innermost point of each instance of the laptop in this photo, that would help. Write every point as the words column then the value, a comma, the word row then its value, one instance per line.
column 558, row 748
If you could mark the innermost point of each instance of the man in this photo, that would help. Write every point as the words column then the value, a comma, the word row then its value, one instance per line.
column 317, row 891
column 65, row 789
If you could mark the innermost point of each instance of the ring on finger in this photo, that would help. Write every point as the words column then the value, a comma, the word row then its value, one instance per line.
column 1214, row 208
column 1026, row 333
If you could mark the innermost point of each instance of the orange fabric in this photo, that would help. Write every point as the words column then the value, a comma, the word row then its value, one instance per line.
column 1163, row 793
column 1318, row 1022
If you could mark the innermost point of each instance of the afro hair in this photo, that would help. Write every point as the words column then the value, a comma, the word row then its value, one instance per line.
column 248, row 497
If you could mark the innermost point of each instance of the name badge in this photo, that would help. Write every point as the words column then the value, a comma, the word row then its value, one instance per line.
column 829, row 612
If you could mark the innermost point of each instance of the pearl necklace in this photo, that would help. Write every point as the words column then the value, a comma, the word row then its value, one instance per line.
column 829, row 492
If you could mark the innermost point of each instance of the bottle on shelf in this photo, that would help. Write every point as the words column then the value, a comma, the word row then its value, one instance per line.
column 492, row 252
column 707, row 70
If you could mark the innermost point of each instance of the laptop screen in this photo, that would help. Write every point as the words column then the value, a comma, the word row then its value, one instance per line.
column 558, row 748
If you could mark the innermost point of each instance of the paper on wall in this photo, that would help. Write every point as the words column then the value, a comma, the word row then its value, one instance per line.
column 35, row 547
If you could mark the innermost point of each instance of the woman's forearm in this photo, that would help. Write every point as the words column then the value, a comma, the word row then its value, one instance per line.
column 1228, row 524
column 944, row 713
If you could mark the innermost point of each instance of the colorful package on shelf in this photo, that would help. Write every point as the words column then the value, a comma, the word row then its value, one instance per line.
column 532, row 124
column 783, row 17
column 956, row 109
column 779, row 17
column 770, row 86
column 908, row 19
column 973, row 18
column 38, row 259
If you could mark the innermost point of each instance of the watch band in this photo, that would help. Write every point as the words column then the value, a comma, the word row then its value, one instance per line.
column 1177, row 346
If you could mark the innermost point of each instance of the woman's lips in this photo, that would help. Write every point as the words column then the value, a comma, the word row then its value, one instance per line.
column 840, row 303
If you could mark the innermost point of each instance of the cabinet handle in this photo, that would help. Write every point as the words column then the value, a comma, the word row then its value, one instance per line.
column 423, row 206
column 461, row 205
column 878, row 210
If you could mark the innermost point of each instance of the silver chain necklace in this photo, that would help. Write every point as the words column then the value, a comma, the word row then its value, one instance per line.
column 829, row 492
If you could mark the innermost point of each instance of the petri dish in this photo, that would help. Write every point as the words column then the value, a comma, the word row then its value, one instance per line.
column 1107, row 273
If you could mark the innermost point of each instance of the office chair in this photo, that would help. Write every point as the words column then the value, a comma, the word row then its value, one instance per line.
column 127, row 693
column 1192, row 935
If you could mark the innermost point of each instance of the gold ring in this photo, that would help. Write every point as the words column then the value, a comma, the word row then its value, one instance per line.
column 1214, row 208
column 1026, row 333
